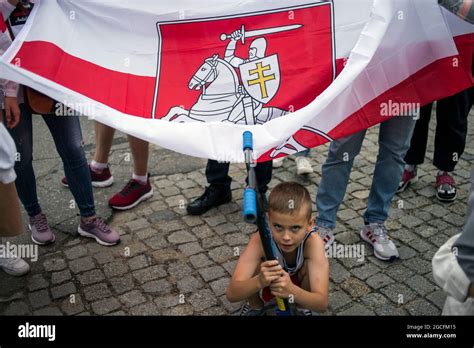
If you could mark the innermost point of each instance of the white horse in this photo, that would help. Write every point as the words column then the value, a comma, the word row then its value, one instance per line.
column 221, row 97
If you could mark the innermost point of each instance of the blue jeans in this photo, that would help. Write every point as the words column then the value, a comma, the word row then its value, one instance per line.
column 394, row 141
column 66, row 132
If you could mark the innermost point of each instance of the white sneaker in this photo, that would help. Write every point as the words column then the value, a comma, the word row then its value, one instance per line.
column 376, row 235
column 303, row 166
column 14, row 266
column 277, row 163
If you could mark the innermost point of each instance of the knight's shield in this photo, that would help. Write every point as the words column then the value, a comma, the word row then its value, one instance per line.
column 261, row 78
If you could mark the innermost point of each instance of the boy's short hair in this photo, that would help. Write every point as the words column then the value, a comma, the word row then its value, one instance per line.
column 288, row 198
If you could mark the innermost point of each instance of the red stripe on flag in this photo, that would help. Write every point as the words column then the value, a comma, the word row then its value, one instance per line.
column 3, row 27
column 127, row 93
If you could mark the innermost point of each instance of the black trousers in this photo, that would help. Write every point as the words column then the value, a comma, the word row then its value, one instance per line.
column 451, row 131
column 217, row 173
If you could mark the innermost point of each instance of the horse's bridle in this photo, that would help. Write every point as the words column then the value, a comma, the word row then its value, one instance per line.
column 212, row 63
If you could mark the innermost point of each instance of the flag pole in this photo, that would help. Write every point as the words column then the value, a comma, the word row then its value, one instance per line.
column 254, row 213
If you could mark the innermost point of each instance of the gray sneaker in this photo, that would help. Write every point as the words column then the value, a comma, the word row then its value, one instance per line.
column 376, row 235
column 96, row 228
column 326, row 235
column 40, row 232
column 14, row 266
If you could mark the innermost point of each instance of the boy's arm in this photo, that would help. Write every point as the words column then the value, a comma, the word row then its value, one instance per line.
column 318, row 274
column 245, row 281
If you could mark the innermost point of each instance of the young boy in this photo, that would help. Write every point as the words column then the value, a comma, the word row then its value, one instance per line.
column 298, row 249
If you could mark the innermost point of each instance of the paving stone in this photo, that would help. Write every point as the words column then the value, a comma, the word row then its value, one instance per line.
column 399, row 272
column 422, row 307
column 420, row 284
column 166, row 255
column 338, row 299
column 189, row 284
column 76, row 252
column 355, row 287
column 200, row 260
column 139, row 262
column 63, row 290
column 398, row 293
column 37, row 282
column 39, row 299
column 181, row 237
column 157, row 287
column 104, row 257
column 225, row 228
column 145, row 309
column 149, row 273
column 437, row 297
column 132, row 298
column 215, row 220
column 221, row 254
column 190, row 248
column 356, row 310
column 374, row 300
column 202, row 300
column 211, row 273
column 18, row 308
column 48, row 311
column 211, row 242
column 387, row 309
column 91, row 277
column 365, row 271
column 379, row 280
column 419, row 266
column 219, row 286
column 56, row 264
column 167, row 301
column 105, row 306
column 81, row 265
column 182, row 310
column 235, row 239
column 70, row 307
column 179, row 269
column 338, row 273
column 114, row 269
column 203, row 231
column 97, row 292
column 122, row 284
column 60, row 277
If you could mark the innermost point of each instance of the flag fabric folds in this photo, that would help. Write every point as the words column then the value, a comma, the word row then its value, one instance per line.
column 193, row 76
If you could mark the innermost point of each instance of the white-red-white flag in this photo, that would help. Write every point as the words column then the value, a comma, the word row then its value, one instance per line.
column 192, row 76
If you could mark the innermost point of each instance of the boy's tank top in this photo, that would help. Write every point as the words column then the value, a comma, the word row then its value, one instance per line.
column 293, row 269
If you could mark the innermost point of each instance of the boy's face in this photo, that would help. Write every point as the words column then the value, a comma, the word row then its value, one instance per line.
column 289, row 230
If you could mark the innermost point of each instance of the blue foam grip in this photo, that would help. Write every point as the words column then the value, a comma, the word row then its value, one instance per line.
column 250, row 205
column 248, row 141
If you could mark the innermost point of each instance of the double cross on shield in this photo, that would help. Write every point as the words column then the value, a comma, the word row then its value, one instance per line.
column 261, row 78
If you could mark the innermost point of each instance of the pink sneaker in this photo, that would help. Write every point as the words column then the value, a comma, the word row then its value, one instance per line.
column 41, row 234
column 96, row 228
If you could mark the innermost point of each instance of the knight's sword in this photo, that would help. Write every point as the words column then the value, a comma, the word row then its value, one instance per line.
column 261, row 32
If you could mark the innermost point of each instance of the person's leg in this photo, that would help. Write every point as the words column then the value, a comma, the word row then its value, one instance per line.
column 140, row 150
column 335, row 176
column 451, row 130
column 217, row 174
column 394, row 141
column 416, row 153
column 104, row 136
column 25, row 183
column 67, row 136
column 218, row 192
column 263, row 172
column 450, row 141
column 138, row 189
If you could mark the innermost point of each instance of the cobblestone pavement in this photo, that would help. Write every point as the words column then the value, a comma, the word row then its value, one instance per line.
column 169, row 263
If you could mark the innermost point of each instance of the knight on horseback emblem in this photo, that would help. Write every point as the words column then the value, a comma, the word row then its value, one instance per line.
column 227, row 99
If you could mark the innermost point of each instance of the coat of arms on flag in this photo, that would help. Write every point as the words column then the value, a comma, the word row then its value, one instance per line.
column 247, row 68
